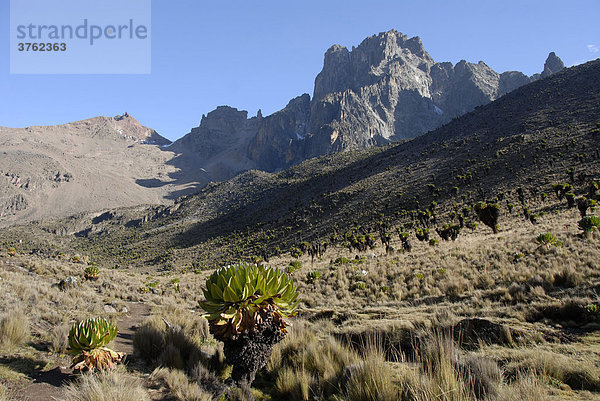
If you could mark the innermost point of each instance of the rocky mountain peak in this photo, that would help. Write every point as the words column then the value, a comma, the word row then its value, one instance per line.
column 224, row 115
column 388, row 88
column 552, row 65
column 372, row 59
column 120, row 117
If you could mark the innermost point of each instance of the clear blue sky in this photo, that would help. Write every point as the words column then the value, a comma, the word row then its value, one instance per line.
column 253, row 55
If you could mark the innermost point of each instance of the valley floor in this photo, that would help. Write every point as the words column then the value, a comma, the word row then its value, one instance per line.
column 515, row 319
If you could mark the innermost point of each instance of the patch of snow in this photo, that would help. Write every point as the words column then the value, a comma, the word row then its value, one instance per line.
column 300, row 137
column 437, row 110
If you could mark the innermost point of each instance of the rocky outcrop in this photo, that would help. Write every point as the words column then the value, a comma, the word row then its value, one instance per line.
column 552, row 65
column 386, row 89
column 277, row 140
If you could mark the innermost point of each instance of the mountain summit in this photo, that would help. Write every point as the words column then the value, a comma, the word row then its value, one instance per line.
column 386, row 89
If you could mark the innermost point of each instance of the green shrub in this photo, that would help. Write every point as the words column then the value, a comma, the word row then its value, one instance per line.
column 570, row 197
column 296, row 252
column 422, row 234
column 589, row 224
column 472, row 226
column 313, row 275
column 91, row 272
column 342, row 261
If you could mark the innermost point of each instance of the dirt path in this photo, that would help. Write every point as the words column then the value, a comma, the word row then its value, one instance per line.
column 48, row 385
column 137, row 313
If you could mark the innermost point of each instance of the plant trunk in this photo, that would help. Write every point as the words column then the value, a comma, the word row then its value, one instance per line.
column 250, row 351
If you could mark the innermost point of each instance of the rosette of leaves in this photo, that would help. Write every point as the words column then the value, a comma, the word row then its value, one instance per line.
column 247, row 306
column 589, row 224
column 548, row 240
column 87, row 340
column 91, row 272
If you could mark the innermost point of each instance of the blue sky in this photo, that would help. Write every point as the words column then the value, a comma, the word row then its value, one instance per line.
column 253, row 55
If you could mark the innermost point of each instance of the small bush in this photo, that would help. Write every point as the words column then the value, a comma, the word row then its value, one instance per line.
column 589, row 224
column 488, row 214
column 342, row 261
column 313, row 275
column 91, row 272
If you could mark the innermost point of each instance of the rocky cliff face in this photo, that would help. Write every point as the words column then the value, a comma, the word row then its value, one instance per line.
column 386, row 89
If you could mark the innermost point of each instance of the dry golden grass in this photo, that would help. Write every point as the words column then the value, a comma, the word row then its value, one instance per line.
column 114, row 386
column 506, row 278
column 179, row 385
column 174, row 338
column 14, row 330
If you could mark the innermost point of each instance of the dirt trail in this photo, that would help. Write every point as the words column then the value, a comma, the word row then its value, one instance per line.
column 137, row 313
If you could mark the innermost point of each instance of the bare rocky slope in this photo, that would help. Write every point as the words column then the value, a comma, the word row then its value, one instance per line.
column 385, row 90
column 94, row 164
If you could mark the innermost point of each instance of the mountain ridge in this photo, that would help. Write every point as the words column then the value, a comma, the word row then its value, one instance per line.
column 386, row 89
column 543, row 133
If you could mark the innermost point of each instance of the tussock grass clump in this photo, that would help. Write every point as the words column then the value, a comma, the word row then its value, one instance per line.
column 295, row 384
column 568, row 277
column 304, row 364
column 575, row 312
column 180, row 386
column 4, row 393
column 371, row 379
column 524, row 388
column 59, row 340
column 14, row 330
column 448, row 375
column 174, row 338
column 579, row 375
column 116, row 385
